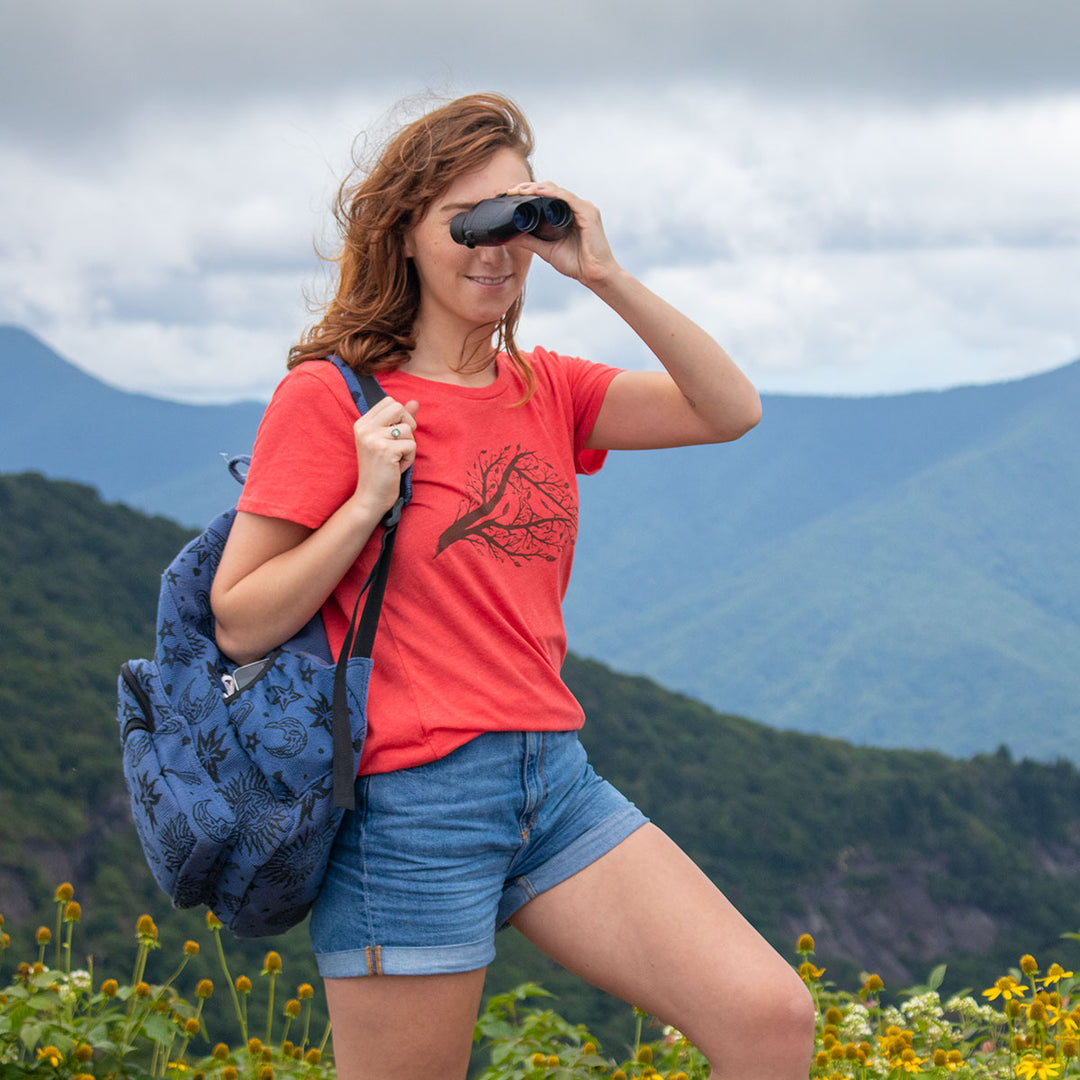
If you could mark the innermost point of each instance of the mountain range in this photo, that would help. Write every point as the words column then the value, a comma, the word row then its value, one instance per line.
column 896, row 570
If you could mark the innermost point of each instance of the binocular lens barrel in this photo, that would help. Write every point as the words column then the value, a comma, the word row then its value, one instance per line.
column 558, row 214
column 526, row 217
column 495, row 221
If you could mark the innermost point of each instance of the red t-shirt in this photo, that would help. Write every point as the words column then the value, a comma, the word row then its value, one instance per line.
column 471, row 636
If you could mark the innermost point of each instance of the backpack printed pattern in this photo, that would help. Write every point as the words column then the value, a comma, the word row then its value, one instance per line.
column 230, row 770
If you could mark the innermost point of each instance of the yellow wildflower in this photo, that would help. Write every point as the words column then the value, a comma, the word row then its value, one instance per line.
column 1028, row 964
column 805, row 944
column 191, row 1026
column 313, row 1056
column 272, row 963
column 909, row 1062
column 220, row 1052
column 72, row 911
column 64, row 892
column 229, row 1073
column 1005, row 987
column 204, row 988
column 1055, row 974
column 305, row 990
column 44, row 935
column 212, row 921
column 49, row 1054
column 809, row 972
column 243, row 984
column 191, row 948
column 1033, row 1068
column 110, row 987
column 292, row 1008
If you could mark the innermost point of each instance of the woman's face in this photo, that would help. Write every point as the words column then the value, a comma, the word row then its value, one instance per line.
column 462, row 289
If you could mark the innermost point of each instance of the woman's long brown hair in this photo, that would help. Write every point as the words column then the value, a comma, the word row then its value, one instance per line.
column 369, row 321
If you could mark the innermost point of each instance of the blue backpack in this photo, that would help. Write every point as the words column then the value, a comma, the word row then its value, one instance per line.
column 239, row 776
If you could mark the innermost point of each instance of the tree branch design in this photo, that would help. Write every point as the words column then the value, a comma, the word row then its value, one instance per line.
column 517, row 507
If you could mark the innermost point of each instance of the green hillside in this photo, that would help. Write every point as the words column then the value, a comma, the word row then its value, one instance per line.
column 895, row 860
column 894, row 571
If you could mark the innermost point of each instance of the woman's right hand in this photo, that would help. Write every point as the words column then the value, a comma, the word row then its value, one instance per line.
column 385, row 438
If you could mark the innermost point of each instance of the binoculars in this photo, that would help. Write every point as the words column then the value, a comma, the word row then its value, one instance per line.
column 495, row 221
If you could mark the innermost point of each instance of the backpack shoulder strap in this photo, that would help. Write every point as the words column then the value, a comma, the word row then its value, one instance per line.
column 360, row 638
column 366, row 391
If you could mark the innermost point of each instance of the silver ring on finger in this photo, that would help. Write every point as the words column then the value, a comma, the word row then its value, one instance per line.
column 395, row 433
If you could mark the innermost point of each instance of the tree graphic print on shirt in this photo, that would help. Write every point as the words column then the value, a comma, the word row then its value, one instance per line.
column 517, row 507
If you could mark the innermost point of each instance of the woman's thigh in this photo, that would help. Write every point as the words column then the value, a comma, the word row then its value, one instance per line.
column 410, row 1027
column 644, row 923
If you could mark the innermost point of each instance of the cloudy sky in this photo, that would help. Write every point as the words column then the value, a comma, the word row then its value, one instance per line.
column 854, row 196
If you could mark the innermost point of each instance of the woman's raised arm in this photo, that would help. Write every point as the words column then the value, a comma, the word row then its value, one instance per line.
column 700, row 397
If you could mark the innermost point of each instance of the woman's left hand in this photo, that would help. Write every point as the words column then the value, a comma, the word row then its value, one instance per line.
column 584, row 253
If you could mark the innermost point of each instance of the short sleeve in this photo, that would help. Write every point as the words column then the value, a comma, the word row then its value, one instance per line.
column 586, row 383
column 303, row 466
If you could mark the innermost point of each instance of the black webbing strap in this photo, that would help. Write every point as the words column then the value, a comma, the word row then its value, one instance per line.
column 360, row 638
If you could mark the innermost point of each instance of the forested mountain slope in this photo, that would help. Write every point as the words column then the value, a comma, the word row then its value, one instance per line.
column 894, row 859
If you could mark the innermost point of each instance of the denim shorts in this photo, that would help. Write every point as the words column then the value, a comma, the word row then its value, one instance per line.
column 436, row 858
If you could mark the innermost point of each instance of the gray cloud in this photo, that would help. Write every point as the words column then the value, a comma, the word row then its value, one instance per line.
column 855, row 196
column 72, row 66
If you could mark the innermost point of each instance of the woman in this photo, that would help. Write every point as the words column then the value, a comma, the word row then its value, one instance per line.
column 476, row 807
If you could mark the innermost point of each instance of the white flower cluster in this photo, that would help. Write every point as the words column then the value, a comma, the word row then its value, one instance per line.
column 923, row 1011
column 971, row 1010
column 892, row 1017
column 71, row 986
column 856, row 1025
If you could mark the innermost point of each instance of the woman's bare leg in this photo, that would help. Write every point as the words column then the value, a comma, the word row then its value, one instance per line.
column 404, row 1027
column 645, row 924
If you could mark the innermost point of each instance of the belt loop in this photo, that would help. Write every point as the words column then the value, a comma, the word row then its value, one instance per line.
column 373, row 956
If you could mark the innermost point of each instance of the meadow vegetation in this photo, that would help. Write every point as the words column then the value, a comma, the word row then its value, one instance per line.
column 65, row 1021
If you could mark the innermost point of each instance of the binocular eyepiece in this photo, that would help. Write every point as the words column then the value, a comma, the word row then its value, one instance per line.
column 495, row 221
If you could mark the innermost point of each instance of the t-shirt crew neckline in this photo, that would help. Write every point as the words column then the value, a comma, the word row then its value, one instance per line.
column 503, row 374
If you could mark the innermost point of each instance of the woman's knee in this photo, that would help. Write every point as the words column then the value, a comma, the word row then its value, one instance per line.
column 769, row 1023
